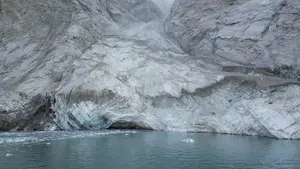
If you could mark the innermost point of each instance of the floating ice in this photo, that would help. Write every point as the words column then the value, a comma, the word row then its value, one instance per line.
column 46, row 137
column 188, row 140
column 8, row 154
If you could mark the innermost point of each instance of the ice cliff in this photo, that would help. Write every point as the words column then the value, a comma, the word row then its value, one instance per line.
column 223, row 66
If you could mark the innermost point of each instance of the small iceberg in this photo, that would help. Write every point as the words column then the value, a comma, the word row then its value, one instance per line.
column 8, row 154
column 188, row 140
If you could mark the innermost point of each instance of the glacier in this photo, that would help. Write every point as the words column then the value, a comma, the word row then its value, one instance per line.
column 221, row 66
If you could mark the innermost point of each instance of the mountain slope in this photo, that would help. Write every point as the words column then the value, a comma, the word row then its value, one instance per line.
column 95, row 64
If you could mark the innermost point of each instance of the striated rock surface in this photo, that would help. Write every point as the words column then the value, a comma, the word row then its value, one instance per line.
column 211, row 66
column 261, row 33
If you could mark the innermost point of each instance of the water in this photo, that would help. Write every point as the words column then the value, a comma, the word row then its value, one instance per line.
column 144, row 150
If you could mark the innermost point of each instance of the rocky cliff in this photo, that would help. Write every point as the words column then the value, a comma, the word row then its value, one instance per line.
column 224, row 66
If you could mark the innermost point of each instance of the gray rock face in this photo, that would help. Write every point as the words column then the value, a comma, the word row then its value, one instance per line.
column 96, row 64
column 260, row 33
column 164, row 5
column 129, row 11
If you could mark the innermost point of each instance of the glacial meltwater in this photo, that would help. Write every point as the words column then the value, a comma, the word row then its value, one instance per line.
column 144, row 150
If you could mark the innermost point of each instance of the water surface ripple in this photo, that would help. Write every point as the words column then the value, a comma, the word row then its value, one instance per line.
column 144, row 150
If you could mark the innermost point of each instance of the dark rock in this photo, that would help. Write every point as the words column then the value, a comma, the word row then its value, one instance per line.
column 32, row 118
column 129, row 125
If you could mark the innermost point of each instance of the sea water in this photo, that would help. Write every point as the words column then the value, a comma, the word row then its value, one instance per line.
column 120, row 149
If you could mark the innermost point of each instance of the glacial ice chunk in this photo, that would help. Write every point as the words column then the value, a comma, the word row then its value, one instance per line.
column 8, row 154
column 188, row 140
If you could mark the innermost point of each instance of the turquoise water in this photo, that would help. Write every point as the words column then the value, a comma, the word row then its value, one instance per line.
column 144, row 150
